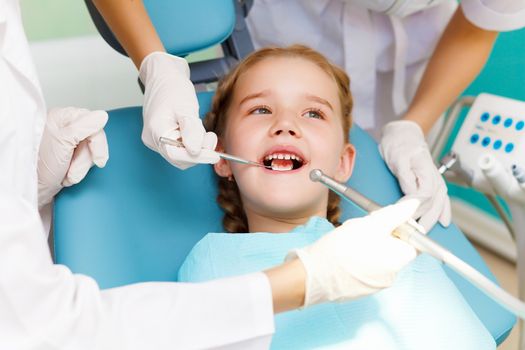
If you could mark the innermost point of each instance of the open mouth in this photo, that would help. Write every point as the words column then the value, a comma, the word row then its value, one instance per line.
column 283, row 161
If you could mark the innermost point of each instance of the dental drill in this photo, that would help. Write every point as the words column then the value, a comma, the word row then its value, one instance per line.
column 410, row 232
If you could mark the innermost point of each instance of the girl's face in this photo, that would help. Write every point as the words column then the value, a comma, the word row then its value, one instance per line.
column 285, row 112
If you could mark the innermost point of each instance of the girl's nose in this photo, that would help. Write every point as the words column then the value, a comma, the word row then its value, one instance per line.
column 285, row 124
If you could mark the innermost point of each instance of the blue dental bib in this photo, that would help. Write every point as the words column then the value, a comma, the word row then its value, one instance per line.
column 422, row 310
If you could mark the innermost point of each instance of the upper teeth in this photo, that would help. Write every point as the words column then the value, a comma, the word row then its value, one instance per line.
column 282, row 156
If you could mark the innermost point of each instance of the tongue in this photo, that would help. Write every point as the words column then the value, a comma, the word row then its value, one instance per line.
column 282, row 164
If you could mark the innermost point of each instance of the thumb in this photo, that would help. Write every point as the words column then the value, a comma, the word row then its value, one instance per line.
column 84, row 124
column 80, row 165
column 192, row 133
column 98, row 145
column 395, row 215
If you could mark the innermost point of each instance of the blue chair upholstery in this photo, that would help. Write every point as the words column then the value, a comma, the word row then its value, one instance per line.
column 188, row 26
column 136, row 219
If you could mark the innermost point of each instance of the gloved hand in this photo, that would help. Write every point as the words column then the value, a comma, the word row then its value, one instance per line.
column 405, row 151
column 73, row 140
column 358, row 258
column 171, row 110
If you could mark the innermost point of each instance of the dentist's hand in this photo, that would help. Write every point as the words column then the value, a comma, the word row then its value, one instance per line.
column 406, row 153
column 358, row 258
column 73, row 141
column 171, row 110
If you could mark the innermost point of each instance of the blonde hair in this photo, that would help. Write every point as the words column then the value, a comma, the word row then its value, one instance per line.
column 229, row 198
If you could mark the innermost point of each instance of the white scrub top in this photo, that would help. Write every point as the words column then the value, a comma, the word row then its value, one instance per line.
column 384, row 55
column 45, row 306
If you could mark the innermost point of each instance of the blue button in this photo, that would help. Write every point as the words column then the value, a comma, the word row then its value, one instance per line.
column 474, row 138
column 520, row 125
column 497, row 144
column 496, row 120
column 486, row 141
column 508, row 122
column 509, row 147
column 485, row 116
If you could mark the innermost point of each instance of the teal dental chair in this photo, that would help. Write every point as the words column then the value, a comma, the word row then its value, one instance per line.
column 136, row 219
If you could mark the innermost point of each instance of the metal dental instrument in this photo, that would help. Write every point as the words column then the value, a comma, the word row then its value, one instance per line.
column 410, row 233
column 226, row 156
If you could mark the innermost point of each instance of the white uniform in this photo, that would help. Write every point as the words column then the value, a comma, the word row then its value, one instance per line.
column 385, row 55
column 45, row 306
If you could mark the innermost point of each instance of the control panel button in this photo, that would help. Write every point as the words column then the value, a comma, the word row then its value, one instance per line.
column 486, row 141
column 520, row 125
column 497, row 144
column 474, row 138
column 509, row 147
column 507, row 123
column 496, row 119
column 484, row 117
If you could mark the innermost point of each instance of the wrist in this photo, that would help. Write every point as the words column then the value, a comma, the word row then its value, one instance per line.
column 160, row 61
column 288, row 283
column 421, row 118
column 405, row 126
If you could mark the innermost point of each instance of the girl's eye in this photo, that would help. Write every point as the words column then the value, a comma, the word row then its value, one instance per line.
column 261, row 110
column 314, row 113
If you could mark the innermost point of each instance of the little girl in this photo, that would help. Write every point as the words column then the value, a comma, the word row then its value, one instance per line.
column 289, row 108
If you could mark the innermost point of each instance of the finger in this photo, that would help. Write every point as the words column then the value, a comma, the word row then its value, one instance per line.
column 403, row 252
column 394, row 215
column 406, row 177
column 192, row 133
column 179, row 157
column 98, row 146
column 84, row 124
column 431, row 216
column 80, row 165
column 446, row 215
column 210, row 141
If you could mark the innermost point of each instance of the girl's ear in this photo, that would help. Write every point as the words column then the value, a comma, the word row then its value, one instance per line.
column 222, row 167
column 346, row 163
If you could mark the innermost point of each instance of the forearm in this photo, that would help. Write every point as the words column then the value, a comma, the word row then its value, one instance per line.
column 47, row 305
column 458, row 58
column 288, row 285
column 130, row 22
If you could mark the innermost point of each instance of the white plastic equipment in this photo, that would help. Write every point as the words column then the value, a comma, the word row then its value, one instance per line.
column 491, row 144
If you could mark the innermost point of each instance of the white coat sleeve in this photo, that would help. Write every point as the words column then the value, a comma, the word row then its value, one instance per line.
column 46, row 306
column 497, row 15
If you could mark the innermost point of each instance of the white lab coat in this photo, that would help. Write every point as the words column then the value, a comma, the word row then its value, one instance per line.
column 384, row 56
column 45, row 306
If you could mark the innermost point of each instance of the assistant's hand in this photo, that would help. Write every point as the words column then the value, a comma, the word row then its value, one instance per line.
column 358, row 258
column 406, row 153
column 72, row 142
column 171, row 110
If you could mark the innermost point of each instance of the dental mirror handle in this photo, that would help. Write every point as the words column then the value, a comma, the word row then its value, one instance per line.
column 409, row 232
column 226, row 156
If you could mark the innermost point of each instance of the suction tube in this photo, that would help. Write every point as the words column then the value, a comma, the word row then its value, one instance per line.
column 411, row 233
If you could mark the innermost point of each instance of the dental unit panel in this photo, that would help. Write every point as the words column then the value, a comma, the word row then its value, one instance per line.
column 490, row 143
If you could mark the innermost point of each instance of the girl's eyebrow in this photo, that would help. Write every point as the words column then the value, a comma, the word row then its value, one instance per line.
column 263, row 93
column 319, row 100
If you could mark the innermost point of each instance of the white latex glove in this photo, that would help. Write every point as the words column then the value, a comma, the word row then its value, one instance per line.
column 358, row 258
column 73, row 141
column 405, row 151
column 171, row 110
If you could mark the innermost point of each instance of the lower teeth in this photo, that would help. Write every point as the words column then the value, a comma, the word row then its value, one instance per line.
column 288, row 165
